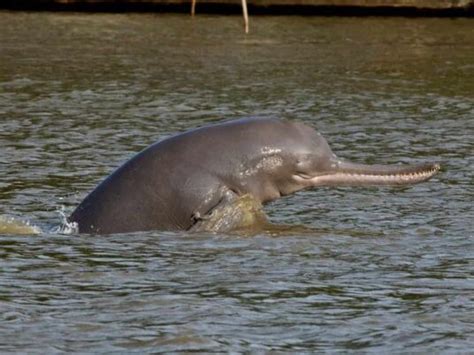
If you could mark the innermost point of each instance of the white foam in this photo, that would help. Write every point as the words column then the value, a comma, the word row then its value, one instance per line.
column 65, row 227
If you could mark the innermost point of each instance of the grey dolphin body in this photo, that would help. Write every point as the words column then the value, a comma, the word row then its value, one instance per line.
column 176, row 182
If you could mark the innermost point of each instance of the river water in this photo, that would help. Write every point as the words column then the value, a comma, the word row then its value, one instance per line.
column 379, row 270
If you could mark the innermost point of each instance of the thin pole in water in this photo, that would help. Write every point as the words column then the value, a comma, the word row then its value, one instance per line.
column 246, row 15
column 244, row 11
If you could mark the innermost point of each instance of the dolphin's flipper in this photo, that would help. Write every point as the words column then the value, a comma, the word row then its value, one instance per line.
column 240, row 214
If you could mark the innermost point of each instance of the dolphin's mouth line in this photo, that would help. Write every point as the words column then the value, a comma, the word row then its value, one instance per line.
column 373, row 178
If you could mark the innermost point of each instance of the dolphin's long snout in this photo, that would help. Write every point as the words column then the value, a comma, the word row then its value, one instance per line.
column 344, row 173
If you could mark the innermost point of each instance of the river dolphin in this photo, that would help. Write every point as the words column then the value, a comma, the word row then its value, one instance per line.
column 179, row 181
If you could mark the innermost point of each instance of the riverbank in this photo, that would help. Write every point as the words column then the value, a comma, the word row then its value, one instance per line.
column 315, row 7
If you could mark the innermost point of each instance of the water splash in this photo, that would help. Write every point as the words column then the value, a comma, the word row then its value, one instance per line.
column 65, row 227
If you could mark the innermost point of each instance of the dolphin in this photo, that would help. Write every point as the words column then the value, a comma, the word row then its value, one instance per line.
column 179, row 182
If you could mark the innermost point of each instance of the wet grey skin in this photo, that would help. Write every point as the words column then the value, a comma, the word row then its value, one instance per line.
column 183, row 181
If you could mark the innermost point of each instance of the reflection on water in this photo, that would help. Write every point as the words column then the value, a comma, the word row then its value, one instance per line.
column 372, row 269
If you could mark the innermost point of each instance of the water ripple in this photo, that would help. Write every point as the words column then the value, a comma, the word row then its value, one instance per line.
column 384, row 270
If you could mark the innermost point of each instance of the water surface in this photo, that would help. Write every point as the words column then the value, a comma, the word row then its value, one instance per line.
column 380, row 269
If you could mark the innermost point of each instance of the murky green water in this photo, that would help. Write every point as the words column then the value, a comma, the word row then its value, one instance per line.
column 386, row 270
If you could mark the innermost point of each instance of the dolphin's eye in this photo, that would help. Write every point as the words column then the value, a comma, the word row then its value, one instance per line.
column 301, row 165
column 304, row 161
